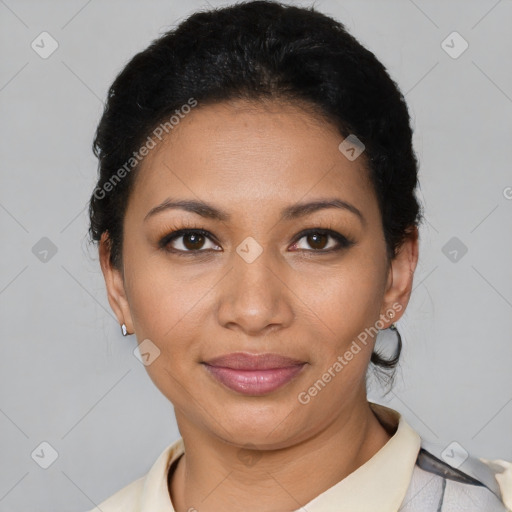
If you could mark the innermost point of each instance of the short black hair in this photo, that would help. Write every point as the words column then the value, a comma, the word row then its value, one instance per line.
column 258, row 50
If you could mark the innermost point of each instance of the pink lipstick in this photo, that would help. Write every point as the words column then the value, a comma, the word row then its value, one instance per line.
column 254, row 374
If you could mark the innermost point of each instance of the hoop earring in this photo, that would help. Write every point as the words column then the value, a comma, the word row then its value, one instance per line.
column 393, row 327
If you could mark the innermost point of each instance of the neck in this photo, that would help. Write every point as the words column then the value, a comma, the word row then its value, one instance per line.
column 212, row 475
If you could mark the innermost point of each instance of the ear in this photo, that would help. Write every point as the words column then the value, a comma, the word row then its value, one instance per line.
column 400, row 278
column 114, row 282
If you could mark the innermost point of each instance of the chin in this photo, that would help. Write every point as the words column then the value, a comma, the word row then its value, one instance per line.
column 265, row 425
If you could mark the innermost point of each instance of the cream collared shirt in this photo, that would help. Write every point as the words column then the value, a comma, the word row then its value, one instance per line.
column 379, row 485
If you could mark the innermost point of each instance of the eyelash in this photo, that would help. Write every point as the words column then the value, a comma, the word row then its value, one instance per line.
column 343, row 242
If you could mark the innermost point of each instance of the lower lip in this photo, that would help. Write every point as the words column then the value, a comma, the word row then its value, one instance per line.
column 254, row 382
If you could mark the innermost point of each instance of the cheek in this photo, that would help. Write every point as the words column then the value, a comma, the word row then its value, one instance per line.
column 346, row 301
column 345, row 309
column 163, row 303
column 165, row 310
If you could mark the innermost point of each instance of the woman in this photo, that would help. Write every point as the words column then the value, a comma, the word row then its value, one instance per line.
column 257, row 227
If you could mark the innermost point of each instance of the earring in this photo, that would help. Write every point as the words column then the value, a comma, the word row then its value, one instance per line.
column 391, row 315
column 399, row 338
column 123, row 330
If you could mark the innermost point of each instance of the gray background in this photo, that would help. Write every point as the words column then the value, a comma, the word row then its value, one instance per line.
column 69, row 378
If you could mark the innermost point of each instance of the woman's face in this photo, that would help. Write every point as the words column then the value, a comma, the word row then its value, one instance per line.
column 253, row 283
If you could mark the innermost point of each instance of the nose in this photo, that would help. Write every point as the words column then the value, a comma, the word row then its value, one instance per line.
column 254, row 297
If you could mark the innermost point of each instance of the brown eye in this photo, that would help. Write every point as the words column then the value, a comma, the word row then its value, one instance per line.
column 318, row 241
column 186, row 241
column 193, row 241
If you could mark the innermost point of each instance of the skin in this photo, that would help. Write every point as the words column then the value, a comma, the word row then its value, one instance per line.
column 252, row 160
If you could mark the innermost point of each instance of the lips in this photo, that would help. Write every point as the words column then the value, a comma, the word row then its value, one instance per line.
column 245, row 361
column 254, row 374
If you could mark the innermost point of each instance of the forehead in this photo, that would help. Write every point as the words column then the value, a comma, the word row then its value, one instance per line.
column 247, row 154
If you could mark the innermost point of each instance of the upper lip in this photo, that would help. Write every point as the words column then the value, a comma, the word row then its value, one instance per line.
column 246, row 361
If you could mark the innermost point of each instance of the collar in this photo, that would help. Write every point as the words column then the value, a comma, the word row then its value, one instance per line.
column 379, row 484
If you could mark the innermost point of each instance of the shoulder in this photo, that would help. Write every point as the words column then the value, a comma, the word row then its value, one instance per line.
column 124, row 500
column 439, row 487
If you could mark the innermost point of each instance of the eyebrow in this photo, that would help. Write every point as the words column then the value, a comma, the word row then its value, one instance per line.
column 295, row 211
